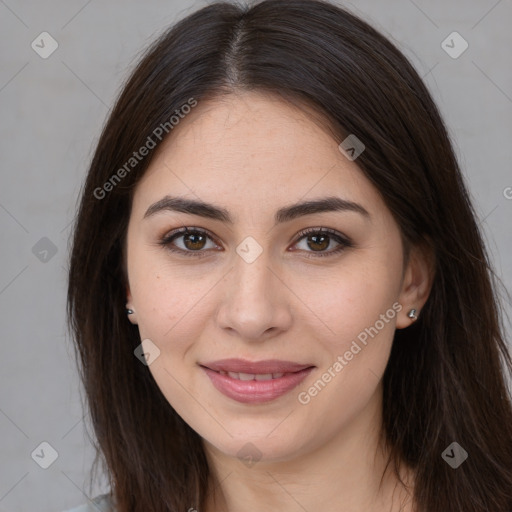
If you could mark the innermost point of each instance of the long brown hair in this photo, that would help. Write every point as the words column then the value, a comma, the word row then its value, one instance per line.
column 446, row 377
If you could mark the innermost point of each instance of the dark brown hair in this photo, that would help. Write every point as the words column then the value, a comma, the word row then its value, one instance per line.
column 446, row 376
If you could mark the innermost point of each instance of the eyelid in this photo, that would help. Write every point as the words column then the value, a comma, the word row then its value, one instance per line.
column 321, row 229
column 343, row 241
column 176, row 233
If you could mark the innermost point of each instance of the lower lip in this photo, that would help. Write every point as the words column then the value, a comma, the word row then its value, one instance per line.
column 256, row 391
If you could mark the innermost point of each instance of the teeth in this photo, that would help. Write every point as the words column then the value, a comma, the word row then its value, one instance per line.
column 246, row 376
column 252, row 376
column 264, row 376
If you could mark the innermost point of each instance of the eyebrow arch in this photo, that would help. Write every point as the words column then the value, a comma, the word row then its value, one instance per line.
column 285, row 214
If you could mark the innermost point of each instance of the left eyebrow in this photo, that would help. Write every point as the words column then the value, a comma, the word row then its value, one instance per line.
column 285, row 214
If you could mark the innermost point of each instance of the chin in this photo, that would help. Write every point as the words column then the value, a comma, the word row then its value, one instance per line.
column 251, row 446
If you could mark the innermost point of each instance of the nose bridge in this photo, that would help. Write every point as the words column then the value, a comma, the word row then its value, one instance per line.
column 252, row 304
column 252, row 275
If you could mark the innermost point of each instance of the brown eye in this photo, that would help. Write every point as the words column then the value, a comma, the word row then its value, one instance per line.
column 188, row 241
column 319, row 239
column 318, row 242
column 194, row 241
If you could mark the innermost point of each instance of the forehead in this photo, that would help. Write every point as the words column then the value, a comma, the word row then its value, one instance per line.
column 250, row 149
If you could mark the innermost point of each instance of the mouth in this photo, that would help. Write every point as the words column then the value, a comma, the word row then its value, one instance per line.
column 266, row 367
column 255, row 382
column 253, row 376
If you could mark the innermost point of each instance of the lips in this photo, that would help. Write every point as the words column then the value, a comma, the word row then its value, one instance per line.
column 269, row 366
column 255, row 382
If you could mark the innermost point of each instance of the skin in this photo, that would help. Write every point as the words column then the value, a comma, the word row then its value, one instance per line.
column 253, row 154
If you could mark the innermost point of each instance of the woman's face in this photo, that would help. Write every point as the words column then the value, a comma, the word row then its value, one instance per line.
column 257, row 288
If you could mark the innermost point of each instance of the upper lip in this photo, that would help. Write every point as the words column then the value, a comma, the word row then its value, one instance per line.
column 255, row 367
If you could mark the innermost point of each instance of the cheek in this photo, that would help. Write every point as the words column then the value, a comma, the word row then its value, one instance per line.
column 359, row 308
column 167, row 301
column 352, row 299
column 171, row 314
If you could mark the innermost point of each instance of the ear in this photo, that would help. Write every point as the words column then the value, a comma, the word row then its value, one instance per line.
column 416, row 283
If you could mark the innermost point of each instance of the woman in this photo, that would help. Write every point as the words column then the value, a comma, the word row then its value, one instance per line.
column 278, row 288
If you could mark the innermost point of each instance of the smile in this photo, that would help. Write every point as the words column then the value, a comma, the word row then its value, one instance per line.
column 261, row 382
column 252, row 376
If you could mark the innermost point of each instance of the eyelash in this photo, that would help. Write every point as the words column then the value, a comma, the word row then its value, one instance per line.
column 342, row 240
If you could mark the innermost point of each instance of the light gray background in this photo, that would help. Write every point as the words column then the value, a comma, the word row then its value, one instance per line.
column 52, row 111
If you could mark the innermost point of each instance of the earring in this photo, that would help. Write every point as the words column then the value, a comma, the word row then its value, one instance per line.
column 129, row 311
column 412, row 314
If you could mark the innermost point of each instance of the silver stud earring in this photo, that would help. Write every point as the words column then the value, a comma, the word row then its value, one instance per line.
column 129, row 311
column 412, row 314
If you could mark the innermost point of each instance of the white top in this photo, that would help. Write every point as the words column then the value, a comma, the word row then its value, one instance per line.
column 101, row 503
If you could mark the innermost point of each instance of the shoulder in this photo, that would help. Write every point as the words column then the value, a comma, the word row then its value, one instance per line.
column 101, row 503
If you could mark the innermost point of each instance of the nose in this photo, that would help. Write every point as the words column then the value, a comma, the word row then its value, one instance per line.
column 255, row 302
